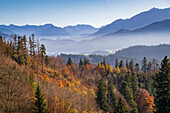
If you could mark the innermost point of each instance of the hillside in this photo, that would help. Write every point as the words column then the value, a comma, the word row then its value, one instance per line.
column 137, row 53
column 28, row 78
column 138, row 21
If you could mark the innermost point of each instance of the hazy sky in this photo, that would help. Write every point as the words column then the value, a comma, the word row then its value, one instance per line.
column 72, row 12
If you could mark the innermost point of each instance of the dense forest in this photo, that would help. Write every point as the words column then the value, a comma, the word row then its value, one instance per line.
column 31, row 81
column 137, row 53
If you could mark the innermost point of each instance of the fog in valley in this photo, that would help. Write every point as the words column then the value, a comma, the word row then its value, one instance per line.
column 85, row 45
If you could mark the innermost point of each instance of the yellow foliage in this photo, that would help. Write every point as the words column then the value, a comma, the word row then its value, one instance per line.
column 61, row 85
column 68, row 84
column 84, row 111
column 91, row 91
column 76, row 90
column 84, row 93
column 74, row 111
column 118, row 70
column 114, row 69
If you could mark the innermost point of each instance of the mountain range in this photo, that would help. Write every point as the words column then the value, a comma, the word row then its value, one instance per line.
column 48, row 30
column 136, row 23
column 156, row 27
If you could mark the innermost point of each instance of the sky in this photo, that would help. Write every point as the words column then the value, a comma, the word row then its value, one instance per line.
column 71, row 12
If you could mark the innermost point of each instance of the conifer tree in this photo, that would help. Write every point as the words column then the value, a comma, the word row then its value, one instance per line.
column 33, row 45
column 47, row 60
column 116, row 64
column 134, row 82
column 40, row 104
column 162, row 87
column 121, row 108
column 131, row 65
column 137, row 68
column 121, row 64
column 127, row 93
column 101, row 98
column 69, row 62
column 111, row 99
column 127, row 65
column 43, row 52
column 80, row 63
column 144, row 64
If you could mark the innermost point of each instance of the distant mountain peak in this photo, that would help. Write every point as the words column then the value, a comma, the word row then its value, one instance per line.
column 137, row 21
column 154, row 8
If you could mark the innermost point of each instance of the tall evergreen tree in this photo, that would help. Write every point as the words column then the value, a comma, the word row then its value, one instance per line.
column 121, row 108
column 101, row 98
column 127, row 93
column 144, row 64
column 80, row 63
column 69, row 62
column 40, row 104
column 131, row 65
column 162, row 87
column 127, row 65
column 134, row 82
column 111, row 99
column 43, row 52
column 47, row 60
column 121, row 64
column 116, row 64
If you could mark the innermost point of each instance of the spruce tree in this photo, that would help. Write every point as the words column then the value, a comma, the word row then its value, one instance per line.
column 121, row 64
column 40, row 104
column 80, row 63
column 134, row 82
column 128, row 94
column 111, row 99
column 47, row 60
column 69, row 62
column 121, row 108
column 144, row 64
column 131, row 65
column 127, row 65
column 116, row 64
column 43, row 52
column 101, row 98
column 162, row 87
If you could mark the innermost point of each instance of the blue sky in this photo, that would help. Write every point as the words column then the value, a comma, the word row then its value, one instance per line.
column 71, row 12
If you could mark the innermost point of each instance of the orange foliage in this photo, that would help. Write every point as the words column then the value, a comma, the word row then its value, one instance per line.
column 144, row 100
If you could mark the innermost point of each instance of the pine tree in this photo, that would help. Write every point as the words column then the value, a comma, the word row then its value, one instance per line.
column 121, row 108
column 127, row 93
column 33, row 45
column 162, row 87
column 149, row 66
column 43, row 52
column 127, row 65
column 47, row 60
column 80, row 63
column 69, row 62
column 25, row 49
column 101, row 98
column 111, row 99
column 134, row 82
column 116, row 64
column 40, row 104
column 137, row 68
column 121, row 64
column 131, row 65
column 144, row 64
